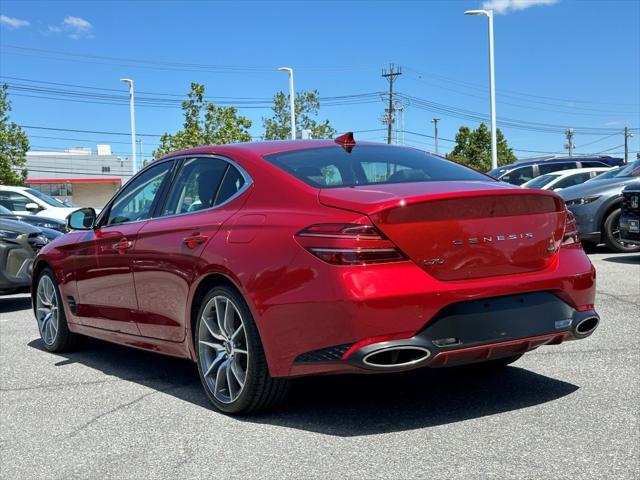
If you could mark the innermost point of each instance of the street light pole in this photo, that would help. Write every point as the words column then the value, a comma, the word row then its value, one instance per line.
column 292, row 100
column 492, row 86
column 134, row 163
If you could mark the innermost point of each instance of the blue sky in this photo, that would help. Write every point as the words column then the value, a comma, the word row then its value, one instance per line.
column 564, row 63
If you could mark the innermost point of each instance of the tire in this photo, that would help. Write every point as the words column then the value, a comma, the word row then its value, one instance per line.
column 50, row 316
column 611, row 234
column 230, row 358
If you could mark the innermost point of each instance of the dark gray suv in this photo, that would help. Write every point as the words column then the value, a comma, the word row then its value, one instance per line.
column 596, row 206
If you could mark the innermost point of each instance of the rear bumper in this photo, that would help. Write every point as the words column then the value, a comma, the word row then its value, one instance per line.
column 480, row 330
column 332, row 313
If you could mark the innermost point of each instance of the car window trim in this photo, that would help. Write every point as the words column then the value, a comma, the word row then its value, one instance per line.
column 248, row 181
column 100, row 223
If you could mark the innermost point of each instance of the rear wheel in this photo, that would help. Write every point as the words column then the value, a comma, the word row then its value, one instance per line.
column 231, row 360
column 52, row 321
column 612, row 234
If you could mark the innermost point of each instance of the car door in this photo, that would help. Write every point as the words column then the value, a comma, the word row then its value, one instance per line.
column 16, row 202
column 206, row 191
column 104, row 277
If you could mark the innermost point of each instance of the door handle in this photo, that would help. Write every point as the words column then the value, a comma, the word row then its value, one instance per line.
column 194, row 240
column 123, row 245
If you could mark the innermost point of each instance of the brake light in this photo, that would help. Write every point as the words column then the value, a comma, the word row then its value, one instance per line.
column 571, row 236
column 349, row 244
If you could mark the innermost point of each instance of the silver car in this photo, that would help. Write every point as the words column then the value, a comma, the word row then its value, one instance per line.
column 596, row 206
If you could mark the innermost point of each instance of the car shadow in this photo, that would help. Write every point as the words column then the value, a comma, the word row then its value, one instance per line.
column 344, row 405
column 626, row 259
column 14, row 304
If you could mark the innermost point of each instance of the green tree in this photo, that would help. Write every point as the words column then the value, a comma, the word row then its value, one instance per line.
column 205, row 124
column 13, row 145
column 473, row 148
column 278, row 127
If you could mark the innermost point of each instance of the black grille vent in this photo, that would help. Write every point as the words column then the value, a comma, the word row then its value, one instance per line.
column 329, row 354
column 631, row 203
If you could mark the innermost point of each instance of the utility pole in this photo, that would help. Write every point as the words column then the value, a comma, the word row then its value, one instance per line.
column 140, row 154
column 569, row 145
column 627, row 136
column 435, row 131
column 391, row 76
column 134, row 160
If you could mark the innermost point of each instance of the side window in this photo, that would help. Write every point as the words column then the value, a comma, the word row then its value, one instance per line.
column 14, row 201
column 555, row 167
column 518, row 176
column 196, row 186
column 231, row 184
column 134, row 202
column 593, row 164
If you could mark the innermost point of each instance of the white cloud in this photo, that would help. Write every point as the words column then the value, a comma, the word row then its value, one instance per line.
column 12, row 22
column 502, row 7
column 77, row 23
column 73, row 27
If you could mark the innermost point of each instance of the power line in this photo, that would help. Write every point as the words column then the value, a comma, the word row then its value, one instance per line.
column 515, row 94
column 98, row 132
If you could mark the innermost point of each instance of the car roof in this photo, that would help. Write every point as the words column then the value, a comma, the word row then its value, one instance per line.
column 267, row 147
column 571, row 171
column 12, row 188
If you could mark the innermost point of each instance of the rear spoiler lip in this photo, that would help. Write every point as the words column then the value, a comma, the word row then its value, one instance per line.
column 386, row 200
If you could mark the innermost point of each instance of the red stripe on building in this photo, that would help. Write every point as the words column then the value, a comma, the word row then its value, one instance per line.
column 74, row 180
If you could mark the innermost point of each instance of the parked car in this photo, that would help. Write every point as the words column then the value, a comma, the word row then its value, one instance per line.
column 612, row 172
column 315, row 257
column 523, row 171
column 35, row 220
column 564, row 178
column 27, row 201
column 19, row 243
column 630, row 214
column 596, row 206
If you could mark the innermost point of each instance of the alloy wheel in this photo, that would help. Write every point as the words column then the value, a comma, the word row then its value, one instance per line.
column 47, row 312
column 222, row 347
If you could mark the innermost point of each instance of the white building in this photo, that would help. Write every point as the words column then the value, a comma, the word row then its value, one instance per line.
column 78, row 175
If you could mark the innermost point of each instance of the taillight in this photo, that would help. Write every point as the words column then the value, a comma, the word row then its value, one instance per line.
column 349, row 244
column 571, row 235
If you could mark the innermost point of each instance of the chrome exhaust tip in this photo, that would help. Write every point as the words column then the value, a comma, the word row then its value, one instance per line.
column 586, row 326
column 396, row 356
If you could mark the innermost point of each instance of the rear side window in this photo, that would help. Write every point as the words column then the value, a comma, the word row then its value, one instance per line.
column 594, row 164
column 518, row 176
column 554, row 167
column 368, row 165
column 202, row 183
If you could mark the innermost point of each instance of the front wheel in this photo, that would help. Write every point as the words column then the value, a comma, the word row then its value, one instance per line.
column 231, row 361
column 612, row 234
column 49, row 311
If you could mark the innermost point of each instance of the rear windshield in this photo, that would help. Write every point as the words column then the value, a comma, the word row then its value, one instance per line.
column 368, row 165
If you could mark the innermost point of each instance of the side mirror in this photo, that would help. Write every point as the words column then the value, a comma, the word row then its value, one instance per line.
column 83, row 219
column 32, row 207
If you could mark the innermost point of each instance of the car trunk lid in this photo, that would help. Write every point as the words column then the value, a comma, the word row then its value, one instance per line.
column 462, row 230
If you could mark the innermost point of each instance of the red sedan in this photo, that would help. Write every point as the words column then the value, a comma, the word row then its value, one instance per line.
column 266, row 261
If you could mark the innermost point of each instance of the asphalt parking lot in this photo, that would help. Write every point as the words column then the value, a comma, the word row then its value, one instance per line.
column 569, row 411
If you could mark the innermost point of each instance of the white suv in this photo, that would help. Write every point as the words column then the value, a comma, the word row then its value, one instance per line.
column 25, row 201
